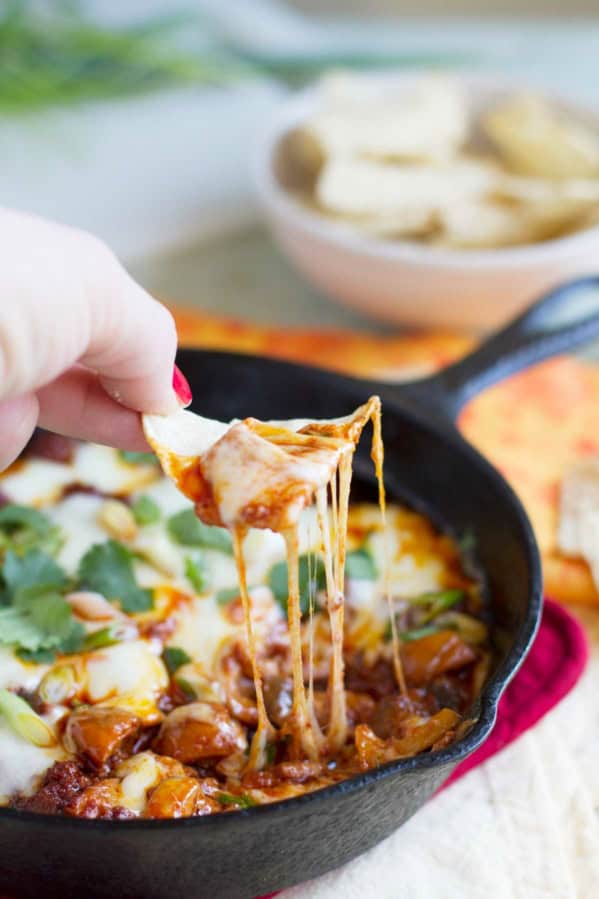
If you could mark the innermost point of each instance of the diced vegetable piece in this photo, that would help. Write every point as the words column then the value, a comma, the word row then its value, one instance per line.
column 174, row 657
column 426, row 734
column 19, row 715
column 471, row 630
column 96, row 733
column 58, row 685
column 175, row 797
column 199, row 731
column 373, row 751
column 417, row 633
column 186, row 528
column 117, row 632
column 434, row 654
column 145, row 510
column 196, row 572
column 437, row 602
column 241, row 801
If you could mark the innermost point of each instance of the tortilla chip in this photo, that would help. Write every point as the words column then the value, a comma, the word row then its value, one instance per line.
column 427, row 119
column 536, row 138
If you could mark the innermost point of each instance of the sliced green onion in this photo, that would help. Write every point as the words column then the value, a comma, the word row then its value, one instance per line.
column 446, row 597
column 243, row 801
column 57, row 685
column 24, row 721
column 417, row 633
column 471, row 630
column 117, row 632
column 440, row 602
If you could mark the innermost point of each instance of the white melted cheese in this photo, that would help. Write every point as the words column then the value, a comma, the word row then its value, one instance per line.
column 408, row 576
column 77, row 518
column 204, row 626
column 131, row 669
column 102, row 468
column 166, row 496
column 22, row 764
column 39, row 482
column 36, row 482
column 139, row 774
column 15, row 674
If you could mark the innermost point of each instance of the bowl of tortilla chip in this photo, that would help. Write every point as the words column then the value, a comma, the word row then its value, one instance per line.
column 431, row 200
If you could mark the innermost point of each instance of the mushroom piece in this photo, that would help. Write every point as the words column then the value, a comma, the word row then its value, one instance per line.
column 97, row 733
column 200, row 730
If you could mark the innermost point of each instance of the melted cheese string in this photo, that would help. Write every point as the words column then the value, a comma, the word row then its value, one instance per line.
column 314, row 443
column 377, row 455
column 306, row 735
column 265, row 730
column 311, row 598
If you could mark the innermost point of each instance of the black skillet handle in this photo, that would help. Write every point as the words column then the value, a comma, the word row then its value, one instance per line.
column 564, row 318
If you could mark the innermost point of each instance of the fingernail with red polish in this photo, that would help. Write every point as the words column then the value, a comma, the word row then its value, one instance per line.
column 181, row 387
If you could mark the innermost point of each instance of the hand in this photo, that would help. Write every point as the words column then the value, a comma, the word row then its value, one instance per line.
column 83, row 348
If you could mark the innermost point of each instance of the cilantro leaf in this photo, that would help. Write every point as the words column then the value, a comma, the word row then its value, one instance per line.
column 22, row 528
column 37, row 656
column 136, row 458
column 41, row 621
column 145, row 510
column 360, row 566
column 196, row 572
column 311, row 580
column 174, row 657
column 107, row 568
column 16, row 627
column 37, row 618
column 186, row 528
column 52, row 615
column 34, row 569
column 14, row 518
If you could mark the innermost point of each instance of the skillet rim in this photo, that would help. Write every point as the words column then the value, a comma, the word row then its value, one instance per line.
column 489, row 697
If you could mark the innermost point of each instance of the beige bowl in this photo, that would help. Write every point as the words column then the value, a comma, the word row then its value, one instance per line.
column 405, row 282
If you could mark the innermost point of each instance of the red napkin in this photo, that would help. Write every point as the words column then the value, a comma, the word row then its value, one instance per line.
column 554, row 664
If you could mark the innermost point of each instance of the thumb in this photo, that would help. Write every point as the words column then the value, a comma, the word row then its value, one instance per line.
column 18, row 418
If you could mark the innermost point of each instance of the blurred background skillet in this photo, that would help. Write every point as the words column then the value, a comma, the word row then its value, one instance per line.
column 429, row 465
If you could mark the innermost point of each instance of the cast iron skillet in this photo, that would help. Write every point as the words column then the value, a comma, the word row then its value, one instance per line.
column 428, row 464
